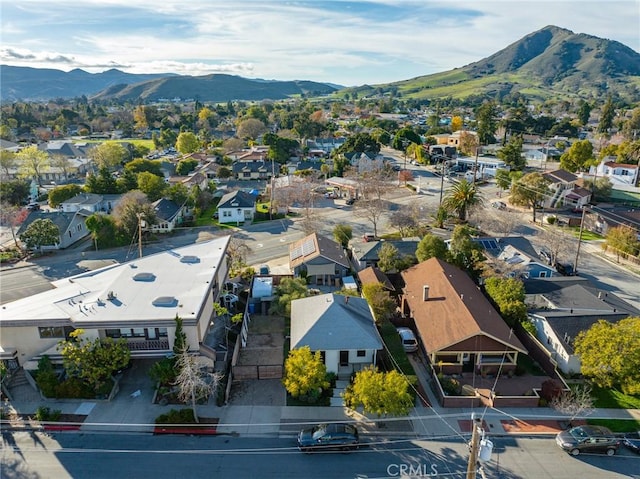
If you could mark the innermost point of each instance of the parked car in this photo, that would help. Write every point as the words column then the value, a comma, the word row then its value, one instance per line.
column 409, row 341
column 329, row 436
column 33, row 207
column 499, row 205
column 587, row 439
column 545, row 255
column 564, row 269
column 396, row 167
column 351, row 201
column 632, row 441
column 369, row 237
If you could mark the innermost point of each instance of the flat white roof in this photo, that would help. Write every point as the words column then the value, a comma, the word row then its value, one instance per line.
column 170, row 283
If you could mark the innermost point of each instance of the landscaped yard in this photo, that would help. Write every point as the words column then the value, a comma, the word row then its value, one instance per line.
column 617, row 425
column 611, row 398
column 529, row 365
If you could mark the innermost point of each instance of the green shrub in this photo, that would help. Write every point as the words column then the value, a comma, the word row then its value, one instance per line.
column 46, row 377
column 176, row 416
column 45, row 414
column 163, row 371
column 74, row 388
column 451, row 387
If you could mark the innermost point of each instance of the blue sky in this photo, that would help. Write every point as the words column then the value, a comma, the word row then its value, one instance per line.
column 344, row 42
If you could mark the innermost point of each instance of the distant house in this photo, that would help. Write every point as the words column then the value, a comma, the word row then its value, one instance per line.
column 169, row 214
column 254, row 170
column 561, row 308
column 366, row 254
column 72, row 226
column 372, row 275
column 515, row 256
column 236, row 207
column 342, row 328
column 321, row 260
column 459, row 328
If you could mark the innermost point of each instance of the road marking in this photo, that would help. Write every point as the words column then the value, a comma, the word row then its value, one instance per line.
column 259, row 245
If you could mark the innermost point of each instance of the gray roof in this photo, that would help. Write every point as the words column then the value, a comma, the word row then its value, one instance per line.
column 371, row 249
column 166, row 209
column 59, row 218
column 560, row 176
column 237, row 199
column 84, row 199
column 333, row 322
column 316, row 246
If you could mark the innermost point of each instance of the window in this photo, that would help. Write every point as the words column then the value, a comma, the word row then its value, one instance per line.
column 226, row 214
column 51, row 332
column 361, row 353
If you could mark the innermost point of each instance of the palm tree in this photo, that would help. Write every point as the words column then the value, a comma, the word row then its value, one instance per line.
column 461, row 197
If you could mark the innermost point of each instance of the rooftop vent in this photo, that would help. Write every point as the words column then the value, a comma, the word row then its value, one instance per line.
column 189, row 259
column 144, row 277
column 165, row 301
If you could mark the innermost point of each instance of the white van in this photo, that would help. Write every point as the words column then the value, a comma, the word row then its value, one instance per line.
column 409, row 341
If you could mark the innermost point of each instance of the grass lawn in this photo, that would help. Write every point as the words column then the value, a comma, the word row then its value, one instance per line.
column 617, row 425
column 611, row 398
column 586, row 234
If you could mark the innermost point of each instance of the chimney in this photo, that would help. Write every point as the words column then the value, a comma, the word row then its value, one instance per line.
column 425, row 292
column 462, row 296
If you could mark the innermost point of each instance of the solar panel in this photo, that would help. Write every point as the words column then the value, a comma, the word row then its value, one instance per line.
column 295, row 253
column 308, row 247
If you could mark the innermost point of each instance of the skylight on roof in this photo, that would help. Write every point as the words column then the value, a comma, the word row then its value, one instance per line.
column 144, row 277
column 190, row 259
column 165, row 301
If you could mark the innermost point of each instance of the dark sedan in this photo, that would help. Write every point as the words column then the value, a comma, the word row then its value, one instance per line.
column 632, row 441
column 329, row 436
column 588, row 439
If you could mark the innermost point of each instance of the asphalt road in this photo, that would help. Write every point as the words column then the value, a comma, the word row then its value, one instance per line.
column 95, row 456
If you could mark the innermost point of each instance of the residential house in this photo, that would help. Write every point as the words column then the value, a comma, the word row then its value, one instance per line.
column 562, row 184
column 169, row 214
column 254, row 170
column 138, row 301
column 318, row 258
column 373, row 275
column 515, row 256
column 91, row 202
column 366, row 254
column 72, row 226
column 561, row 308
column 236, row 207
column 342, row 328
column 603, row 217
column 326, row 145
column 458, row 326
column 620, row 174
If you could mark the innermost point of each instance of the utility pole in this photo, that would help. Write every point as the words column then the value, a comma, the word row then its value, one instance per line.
column 472, row 465
column 575, row 262
column 140, row 220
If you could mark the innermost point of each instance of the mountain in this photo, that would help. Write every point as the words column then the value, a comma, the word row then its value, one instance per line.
column 25, row 83
column 550, row 63
column 213, row 88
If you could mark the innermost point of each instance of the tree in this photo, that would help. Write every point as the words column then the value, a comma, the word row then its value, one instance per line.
column 610, row 354
column 237, row 251
column 578, row 156
column 380, row 301
column 405, row 176
column 104, row 231
column 63, row 163
column 531, row 191
column 431, row 246
column 373, row 210
column 41, row 232
column 508, row 296
column 342, row 234
column 32, row 162
column 93, row 361
column 195, row 381
column 511, row 153
column 180, row 343
column 622, row 240
column 304, row 373
column 631, row 127
column 456, row 123
column 8, row 161
column 404, row 221
column 187, row 142
column 388, row 258
column 575, row 402
column 288, row 290
column 359, row 143
column 151, row 185
column 250, row 128
column 186, row 166
column 379, row 393
column 464, row 252
column 468, row 143
column 14, row 192
column 108, row 154
column 62, row 193
column 440, row 216
column 462, row 197
column 486, row 122
column 102, row 184
column 606, row 117
column 13, row 216
column 142, row 165
column 503, row 179
column 132, row 207
column 584, row 111
column 178, row 193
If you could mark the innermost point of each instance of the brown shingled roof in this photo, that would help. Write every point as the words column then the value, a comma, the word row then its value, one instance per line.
column 373, row 275
column 455, row 312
